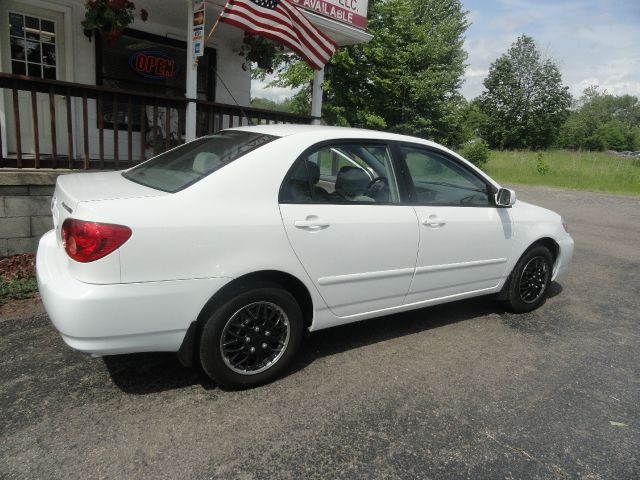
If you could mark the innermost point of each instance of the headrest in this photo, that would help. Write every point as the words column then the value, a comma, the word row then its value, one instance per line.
column 314, row 172
column 205, row 162
column 352, row 181
column 304, row 170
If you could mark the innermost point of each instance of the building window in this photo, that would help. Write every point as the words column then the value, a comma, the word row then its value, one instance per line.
column 142, row 62
column 33, row 46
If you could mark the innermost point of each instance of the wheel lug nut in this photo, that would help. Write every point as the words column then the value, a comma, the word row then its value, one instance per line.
column 264, row 345
column 252, row 349
column 247, row 339
column 267, row 333
column 257, row 329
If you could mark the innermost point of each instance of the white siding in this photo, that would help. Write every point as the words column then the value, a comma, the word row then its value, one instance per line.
column 226, row 41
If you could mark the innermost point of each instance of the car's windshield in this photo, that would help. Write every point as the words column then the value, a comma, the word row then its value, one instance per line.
column 183, row 166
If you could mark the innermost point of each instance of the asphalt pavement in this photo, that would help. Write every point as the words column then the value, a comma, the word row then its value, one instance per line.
column 464, row 390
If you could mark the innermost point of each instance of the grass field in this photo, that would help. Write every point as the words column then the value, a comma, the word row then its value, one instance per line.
column 592, row 171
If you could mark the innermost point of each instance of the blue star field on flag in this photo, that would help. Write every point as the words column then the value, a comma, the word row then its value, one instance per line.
column 270, row 4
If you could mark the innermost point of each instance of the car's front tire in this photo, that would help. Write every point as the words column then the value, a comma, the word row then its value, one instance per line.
column 252, row 337
column 530, row 280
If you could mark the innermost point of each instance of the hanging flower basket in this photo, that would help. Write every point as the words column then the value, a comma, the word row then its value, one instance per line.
column 109, row 18
column 259, row 50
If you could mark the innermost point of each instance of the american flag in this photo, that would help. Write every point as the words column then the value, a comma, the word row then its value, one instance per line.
column 282, row 22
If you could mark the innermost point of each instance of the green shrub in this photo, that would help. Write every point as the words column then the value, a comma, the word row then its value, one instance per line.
column 595, row 142
column 476, row 151
column 614, row 135
column 542, row 166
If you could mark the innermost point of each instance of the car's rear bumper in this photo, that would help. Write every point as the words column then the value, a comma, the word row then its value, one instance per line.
column 566, row 254
column 118, row 318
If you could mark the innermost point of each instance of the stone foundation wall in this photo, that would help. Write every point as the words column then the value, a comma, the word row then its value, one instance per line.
column 25, row 209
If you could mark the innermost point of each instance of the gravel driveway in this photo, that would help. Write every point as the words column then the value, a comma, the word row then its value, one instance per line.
column 457, row 391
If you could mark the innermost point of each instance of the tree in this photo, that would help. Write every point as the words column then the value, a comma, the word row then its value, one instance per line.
column 525, row 100
column 601, row 121
column 407, row 79
column 287, row 105
column 473, row 120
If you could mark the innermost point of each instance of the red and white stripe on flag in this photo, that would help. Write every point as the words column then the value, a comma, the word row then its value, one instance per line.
column 282, row 22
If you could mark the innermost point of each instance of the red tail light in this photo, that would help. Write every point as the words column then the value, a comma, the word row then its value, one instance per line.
column 89, row 241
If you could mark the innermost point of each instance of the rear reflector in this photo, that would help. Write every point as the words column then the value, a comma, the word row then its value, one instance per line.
column 88, row 241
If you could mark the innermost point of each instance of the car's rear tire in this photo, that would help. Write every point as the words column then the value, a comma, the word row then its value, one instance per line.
column 252, row 337
column 529, row 282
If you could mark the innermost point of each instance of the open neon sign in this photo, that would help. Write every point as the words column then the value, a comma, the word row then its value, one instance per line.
column 153, row 64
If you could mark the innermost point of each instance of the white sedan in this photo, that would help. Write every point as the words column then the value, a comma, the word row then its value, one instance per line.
column 228, row 248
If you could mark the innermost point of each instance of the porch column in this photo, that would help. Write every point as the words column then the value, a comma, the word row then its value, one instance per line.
column 316, row 96
column 192, row 78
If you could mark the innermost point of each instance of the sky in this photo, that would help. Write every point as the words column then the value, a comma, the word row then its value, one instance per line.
column 592, row 42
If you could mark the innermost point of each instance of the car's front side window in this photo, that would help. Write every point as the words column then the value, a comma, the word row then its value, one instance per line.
column 343, row 173
column 438, row 180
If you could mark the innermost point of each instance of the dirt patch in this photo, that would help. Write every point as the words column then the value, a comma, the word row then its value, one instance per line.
column 21, row 309
column 19, row 296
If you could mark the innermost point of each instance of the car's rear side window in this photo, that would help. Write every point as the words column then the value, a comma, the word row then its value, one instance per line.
column 183, row 166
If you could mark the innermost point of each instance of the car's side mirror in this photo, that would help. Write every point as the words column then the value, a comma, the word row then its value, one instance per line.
column 505, row 198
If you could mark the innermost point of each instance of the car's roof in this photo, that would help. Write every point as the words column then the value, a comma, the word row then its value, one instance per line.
column 318, row 133
column 328, row 133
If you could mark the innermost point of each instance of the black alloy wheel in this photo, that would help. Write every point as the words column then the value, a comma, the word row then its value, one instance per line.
column 534, row 280
column 530, row 279
column 255, row 338
column 251, row 338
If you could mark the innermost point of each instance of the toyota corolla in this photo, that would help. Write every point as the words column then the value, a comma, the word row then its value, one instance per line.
column 228, row 248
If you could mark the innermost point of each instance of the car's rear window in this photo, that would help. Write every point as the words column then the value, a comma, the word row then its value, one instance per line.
column 183, row 166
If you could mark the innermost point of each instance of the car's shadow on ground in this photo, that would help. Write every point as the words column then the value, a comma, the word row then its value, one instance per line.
column 145, row 373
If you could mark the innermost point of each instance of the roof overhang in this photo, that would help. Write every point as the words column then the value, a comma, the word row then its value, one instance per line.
column 174, row 15
column 341, row 33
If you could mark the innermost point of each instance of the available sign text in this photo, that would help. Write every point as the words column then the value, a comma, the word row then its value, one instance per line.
column 352, row 12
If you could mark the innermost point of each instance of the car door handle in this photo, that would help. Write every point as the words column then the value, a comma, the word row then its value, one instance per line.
column 312, row 224
column 434, row 221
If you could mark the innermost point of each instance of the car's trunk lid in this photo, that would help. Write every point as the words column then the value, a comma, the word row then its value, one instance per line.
column 89, row 187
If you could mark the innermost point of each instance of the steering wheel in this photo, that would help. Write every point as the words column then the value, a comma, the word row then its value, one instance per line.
column 376, row 186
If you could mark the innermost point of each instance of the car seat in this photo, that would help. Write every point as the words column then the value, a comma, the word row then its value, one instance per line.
column 298, row 187
column 352, row 184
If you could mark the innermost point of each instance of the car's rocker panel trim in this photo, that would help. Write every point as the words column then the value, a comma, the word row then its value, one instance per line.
column 407, row 307
column 360, row 277
column 455, row 266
